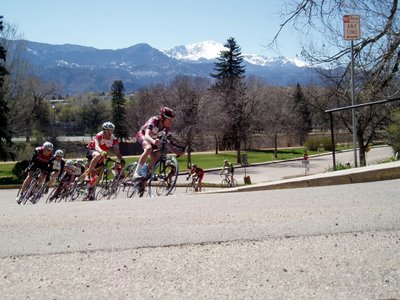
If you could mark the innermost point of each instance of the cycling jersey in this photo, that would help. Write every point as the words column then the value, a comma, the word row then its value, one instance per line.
column 198, row 171
column 40, row 157
column 57, row 165
column 154, row 124
column 105, row 144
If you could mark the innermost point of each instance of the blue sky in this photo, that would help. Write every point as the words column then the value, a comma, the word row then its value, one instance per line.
column 163, row 24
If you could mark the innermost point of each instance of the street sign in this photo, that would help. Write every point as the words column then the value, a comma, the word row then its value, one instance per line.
column 351, row 27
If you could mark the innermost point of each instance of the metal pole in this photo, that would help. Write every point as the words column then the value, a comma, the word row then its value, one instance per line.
column 333, row 142
column 353, row 103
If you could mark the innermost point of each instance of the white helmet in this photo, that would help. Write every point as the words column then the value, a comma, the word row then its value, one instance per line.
column 108, row 126
column 48, row 146
column 59, row 152
column 69, row 163
column 79, row 161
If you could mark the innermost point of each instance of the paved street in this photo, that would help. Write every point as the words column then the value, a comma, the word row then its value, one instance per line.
column 335, row 242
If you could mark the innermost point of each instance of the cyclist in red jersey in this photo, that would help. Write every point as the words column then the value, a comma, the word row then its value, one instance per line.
column 40, row 159
column 101, row 143
column 199, row 173
column 147, row 137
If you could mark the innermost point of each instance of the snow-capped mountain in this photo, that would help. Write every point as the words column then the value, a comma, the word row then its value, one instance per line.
column 209, row 50
column 79, row 69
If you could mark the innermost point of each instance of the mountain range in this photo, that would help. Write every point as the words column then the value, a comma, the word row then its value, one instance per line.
column 80, row 69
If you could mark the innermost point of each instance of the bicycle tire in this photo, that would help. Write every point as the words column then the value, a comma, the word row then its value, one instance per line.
column 127, row 180
column 51, row 195
column 235, row 183
column 104, row 190
column 115, row 187
column 163, row 177
column 224, row 183
column 29, row 191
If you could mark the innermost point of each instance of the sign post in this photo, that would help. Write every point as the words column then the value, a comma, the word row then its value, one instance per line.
column 352, row 31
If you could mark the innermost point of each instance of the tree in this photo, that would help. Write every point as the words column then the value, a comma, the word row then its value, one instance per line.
column 376, row 56
column 230, row 89
column 5, row 132
column 118, row 109
column 300, row 117
column 187, row 93
column 92, row 115
column 393, row 131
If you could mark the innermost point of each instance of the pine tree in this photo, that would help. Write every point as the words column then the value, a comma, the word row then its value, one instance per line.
column 5, row 132
column 301, row 116
column 230, row 87
column 118, row 109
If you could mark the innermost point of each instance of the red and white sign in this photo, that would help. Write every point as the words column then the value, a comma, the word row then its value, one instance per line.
column 351, row 27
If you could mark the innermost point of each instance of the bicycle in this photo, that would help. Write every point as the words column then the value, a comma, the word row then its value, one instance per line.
column 193, row 185
column 60, row 192
column 160, row 178
column 34, row 192
column 110, row 187
column 227, row 182
column 100, row 171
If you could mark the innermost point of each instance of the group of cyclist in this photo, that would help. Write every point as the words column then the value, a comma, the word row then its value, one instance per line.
column 53, row 165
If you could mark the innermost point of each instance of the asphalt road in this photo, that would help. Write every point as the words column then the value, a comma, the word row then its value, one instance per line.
column 336, row 242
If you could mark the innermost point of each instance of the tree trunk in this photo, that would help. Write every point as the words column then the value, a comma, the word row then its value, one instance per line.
column 275, row 145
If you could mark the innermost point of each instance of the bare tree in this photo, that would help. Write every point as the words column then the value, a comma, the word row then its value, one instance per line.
column 376, row 55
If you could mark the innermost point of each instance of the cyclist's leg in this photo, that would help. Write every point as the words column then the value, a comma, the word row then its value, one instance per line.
column 95, row 157
column 147, row 150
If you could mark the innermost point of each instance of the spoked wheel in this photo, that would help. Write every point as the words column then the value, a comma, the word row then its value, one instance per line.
column 115, row 187
column 52, row 195
column 104, row 189
column 29, row 192
column 127, row 180
column 163, row 177
column 224, row 183
column 234, row 184
column 80, row 189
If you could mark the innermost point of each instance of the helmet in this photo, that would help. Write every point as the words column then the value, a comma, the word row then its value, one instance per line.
column 108, row 126
column 59, row 153
column 48, row 146
column 225, row 161
column 194, row 166
column 167, row 113
column 79, row 161
column 69, row 163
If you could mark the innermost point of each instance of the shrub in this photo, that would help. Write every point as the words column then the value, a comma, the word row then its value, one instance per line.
column 312, row 143
column 19, row 168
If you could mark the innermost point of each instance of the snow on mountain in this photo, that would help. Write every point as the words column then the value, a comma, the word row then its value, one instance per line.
column 209, row 50
column 204, row 50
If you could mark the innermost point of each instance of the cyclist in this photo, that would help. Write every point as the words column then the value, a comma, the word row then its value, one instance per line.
column 40, row 159
column 228, row 169
column 147, row 137
column 79, row 167
column 199, row 173
column 98, row 147
column 57, row 164
column 68, row 176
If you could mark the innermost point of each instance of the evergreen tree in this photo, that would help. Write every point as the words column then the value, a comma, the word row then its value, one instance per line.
column 5, row 132
column 300, row 116
column 230, row 89
column 118, row 109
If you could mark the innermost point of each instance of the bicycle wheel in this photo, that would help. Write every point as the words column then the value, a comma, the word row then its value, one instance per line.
column 163, row 177
column 39, row 194
column 104, row 189
column 52, row 195
column 225, row 183
column 127, row 178
column 234, row 183
column 115, row 187
column 29, row 191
